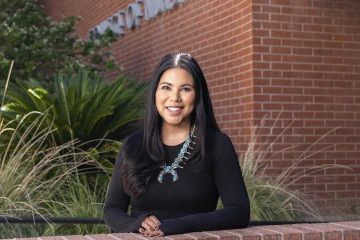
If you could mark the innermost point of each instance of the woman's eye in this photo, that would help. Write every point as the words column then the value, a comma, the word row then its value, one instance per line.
column 165, row 87
column 186, row 89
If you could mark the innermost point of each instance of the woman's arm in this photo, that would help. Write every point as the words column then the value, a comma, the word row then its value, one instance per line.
column 117, row 203
column 232, row 190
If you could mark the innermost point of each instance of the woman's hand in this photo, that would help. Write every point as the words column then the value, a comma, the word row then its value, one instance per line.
column 146, row 233
column 150, row 227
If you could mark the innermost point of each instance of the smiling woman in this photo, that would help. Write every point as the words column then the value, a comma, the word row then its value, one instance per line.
column 175, row 99
column 179, row 128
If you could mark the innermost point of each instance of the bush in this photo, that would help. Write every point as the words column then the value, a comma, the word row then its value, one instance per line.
column 41, row 47
column 274, row 198
column 83, row 108
column 36, row 180
column 80, row 199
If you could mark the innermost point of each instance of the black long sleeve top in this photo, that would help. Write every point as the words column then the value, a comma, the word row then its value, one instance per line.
column 188, row 204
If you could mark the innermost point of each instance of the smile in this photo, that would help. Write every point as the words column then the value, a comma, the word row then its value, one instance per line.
column 174, row 109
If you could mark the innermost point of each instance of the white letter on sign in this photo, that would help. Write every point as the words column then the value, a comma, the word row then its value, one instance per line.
column 117, row 22
column 153, row 8
column 133, row 15
column 170, row 4
column 102, row 27
column 149, row 10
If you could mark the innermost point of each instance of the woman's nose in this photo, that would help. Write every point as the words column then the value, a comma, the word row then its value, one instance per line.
column 175, row 96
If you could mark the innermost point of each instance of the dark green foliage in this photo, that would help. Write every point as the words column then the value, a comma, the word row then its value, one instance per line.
column 82, row 108
column 41, row 47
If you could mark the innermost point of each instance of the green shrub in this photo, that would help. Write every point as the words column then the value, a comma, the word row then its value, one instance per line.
column 273, row 198
column 38, row 179
column 41, row 47
column 80, row 199
column 35, row 178
column 81, row 108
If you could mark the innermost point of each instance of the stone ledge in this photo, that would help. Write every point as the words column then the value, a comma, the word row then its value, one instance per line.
column 316, row 231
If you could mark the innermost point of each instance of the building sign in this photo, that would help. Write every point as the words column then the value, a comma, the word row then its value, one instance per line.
column 132, row 16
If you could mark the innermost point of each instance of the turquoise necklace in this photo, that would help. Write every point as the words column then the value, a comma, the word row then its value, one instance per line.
column 176, row 164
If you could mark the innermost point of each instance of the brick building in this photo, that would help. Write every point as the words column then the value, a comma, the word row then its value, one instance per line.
column 297, row 61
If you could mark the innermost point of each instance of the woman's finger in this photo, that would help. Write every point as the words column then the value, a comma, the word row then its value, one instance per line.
column 160, row 233
column 145, row 233
column 155, row 220
column 157, row 233
column 146, row 226
column 152, row 222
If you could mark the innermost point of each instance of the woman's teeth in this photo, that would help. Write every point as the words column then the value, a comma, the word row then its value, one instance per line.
column 173, row 109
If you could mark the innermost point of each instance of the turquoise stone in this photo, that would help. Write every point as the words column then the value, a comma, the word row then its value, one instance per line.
column 179, row 159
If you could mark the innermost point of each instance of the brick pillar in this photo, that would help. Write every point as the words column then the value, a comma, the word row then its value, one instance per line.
column 307, row 72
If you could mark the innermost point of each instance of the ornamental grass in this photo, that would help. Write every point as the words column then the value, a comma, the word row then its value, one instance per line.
column 274, row 198
column 38, row 180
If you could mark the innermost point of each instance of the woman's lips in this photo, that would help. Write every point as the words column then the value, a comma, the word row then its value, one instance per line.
column 174, row 110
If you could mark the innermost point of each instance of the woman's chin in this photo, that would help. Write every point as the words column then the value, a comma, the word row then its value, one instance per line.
column 176, row 123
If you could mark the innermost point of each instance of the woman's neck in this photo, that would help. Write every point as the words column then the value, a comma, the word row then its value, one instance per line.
column 173, row 135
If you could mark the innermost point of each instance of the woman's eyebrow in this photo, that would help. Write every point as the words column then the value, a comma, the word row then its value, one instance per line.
column 182, row 85
column 165, row 83
column 187, row 84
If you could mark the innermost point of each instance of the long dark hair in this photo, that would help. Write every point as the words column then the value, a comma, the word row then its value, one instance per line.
column 144, row 152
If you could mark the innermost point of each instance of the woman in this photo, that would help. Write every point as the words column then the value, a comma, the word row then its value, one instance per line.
column 174, row 169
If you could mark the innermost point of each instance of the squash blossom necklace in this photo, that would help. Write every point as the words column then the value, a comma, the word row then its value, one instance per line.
column 179, row 159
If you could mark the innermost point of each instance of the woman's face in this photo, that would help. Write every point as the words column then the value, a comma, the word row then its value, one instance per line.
column 175, row 97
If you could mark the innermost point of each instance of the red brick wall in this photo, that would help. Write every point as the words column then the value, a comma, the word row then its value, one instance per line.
column 296, row 58
column 318, row 231
column 216, row 33
column 307, row 71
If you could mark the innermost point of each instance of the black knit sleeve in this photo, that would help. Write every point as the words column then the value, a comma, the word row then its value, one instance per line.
column 232, row 190
column 117, row 203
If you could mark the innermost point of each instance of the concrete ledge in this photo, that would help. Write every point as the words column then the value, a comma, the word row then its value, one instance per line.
column 317, row 231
